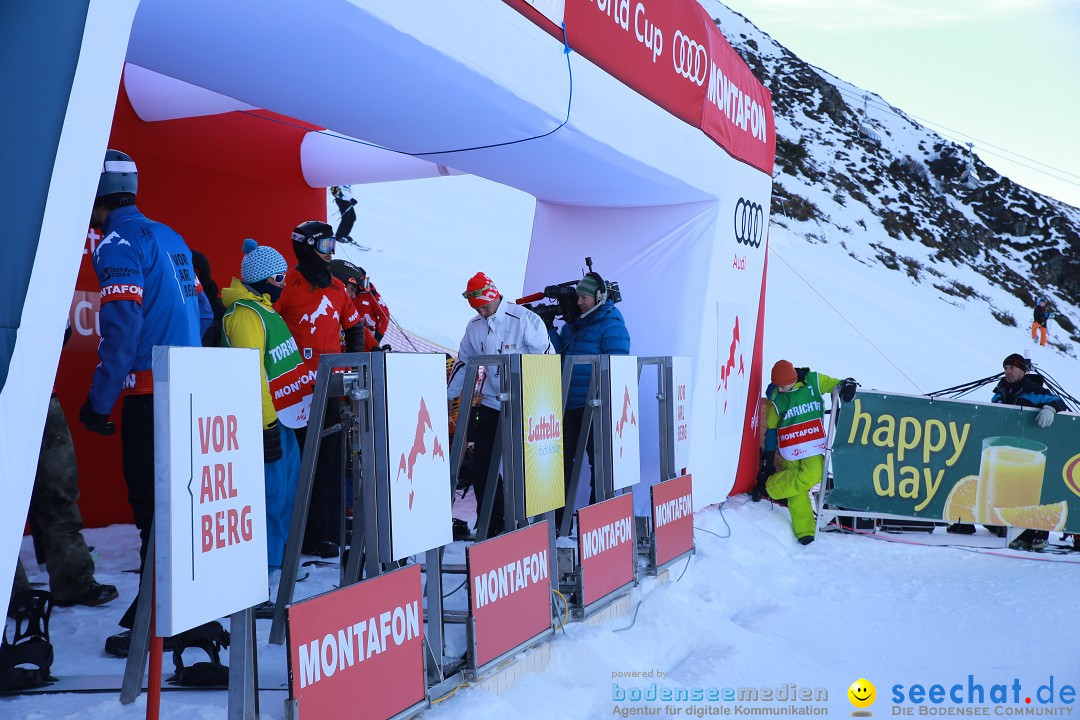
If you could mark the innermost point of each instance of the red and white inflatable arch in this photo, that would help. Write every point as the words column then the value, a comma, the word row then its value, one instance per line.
column 649, row 144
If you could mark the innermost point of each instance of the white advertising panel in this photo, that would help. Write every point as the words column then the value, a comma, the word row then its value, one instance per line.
column 681, row 371
column 210, row 492
column 419, row 452
column 625, row 428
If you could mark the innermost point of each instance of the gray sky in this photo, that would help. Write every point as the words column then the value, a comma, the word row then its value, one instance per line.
column 1002, row 73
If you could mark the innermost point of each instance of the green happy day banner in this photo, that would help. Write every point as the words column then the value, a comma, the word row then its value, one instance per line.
column 957, row 462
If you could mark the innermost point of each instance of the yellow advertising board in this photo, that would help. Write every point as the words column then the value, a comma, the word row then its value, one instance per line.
column 541, row 421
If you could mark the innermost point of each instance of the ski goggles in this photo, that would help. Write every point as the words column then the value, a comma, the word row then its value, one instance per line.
column 364, row 282
column 326, row 245
column 478, row 293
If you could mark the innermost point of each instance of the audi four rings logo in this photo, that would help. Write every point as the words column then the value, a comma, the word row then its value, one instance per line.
column 690, row 58
column 749, row 219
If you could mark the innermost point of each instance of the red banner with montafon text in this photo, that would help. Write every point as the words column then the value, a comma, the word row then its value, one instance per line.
column 509, row 590
column 365, row 638
column 673, row 53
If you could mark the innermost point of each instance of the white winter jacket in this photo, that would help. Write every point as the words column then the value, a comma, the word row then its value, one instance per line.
column 512, row 330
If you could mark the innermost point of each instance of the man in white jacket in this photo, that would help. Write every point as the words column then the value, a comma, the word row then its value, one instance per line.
column 500, row 328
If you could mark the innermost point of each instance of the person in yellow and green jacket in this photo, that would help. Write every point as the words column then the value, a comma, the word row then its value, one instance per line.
column 795, row 438
column 251, row 322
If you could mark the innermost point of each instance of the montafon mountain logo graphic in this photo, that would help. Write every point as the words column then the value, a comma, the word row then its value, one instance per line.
column 419, row 447
column 728, row 368
column 628, row 417
column 324, row 310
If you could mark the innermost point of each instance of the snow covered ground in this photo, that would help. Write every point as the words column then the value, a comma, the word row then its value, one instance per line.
column 752, row 608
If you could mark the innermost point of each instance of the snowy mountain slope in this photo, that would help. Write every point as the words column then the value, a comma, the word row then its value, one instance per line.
column 900, row 203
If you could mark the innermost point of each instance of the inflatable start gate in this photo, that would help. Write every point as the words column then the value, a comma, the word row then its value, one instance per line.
column 642, row 135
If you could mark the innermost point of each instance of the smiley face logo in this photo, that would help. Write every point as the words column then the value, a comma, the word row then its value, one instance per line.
column 862, row 693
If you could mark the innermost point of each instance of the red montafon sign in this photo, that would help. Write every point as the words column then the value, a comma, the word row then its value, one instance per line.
column 673, row 518
column 606, row 547
column 509, row 590
column 672, row 52
column 366, row 636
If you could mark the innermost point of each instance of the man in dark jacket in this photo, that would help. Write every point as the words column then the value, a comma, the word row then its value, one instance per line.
column 1025, row 388
column 600, row 330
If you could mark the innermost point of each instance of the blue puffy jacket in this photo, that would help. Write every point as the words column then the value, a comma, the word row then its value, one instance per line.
column 150, row 296
column 602, row 332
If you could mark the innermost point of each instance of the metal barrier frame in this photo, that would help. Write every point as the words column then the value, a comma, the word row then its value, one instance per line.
column 665, row 382
column 592, row 423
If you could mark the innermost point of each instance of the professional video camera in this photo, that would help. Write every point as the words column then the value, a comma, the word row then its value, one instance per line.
column 565, row 296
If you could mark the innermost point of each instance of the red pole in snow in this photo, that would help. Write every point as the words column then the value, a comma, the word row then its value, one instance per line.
column 153, row 679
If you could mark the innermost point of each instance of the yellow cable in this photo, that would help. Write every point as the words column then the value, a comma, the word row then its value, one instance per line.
column 447, row 695
column 566, row 604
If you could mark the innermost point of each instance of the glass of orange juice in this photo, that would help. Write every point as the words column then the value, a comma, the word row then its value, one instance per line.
column 1010, row 475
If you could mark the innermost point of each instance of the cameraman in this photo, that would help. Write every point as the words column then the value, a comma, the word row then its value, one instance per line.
column 599, row 330
column 499, row 328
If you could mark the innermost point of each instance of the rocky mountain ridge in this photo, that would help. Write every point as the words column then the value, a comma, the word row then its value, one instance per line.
column 902, row 199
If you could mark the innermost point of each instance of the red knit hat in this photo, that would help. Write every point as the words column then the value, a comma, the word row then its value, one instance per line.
column 480, row 290
column 783, row 373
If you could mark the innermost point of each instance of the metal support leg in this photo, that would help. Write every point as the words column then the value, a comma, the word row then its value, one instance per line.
column 135, row 667
column 511, row 521
column 291, row 562
column 487, row 503
column 243, row 676
column 434, row 615
column 584, row 433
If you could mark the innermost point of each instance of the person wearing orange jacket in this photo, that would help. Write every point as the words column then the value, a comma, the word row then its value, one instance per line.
column 317, row 310
column 1040, row 320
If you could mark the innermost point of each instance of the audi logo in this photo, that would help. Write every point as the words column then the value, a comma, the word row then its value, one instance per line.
column 749, row 222
column 690, row 58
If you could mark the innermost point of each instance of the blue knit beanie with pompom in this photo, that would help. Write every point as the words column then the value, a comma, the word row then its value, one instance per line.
column 260, row 262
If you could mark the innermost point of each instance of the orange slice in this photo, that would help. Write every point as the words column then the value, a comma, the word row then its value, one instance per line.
column 960, row 504
column 1035, row 517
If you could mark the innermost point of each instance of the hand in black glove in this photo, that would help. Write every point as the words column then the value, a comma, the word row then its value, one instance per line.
column 847, row 389
column 764, row 471
column 95, row 422
column 272, row 443
column 768, row 457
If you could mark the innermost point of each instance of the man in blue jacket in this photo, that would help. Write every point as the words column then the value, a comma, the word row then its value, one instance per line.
column 150, row 295
column 599, row 330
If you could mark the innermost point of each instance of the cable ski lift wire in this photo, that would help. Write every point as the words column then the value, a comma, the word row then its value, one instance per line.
column 772, row 251
column 961, row 137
